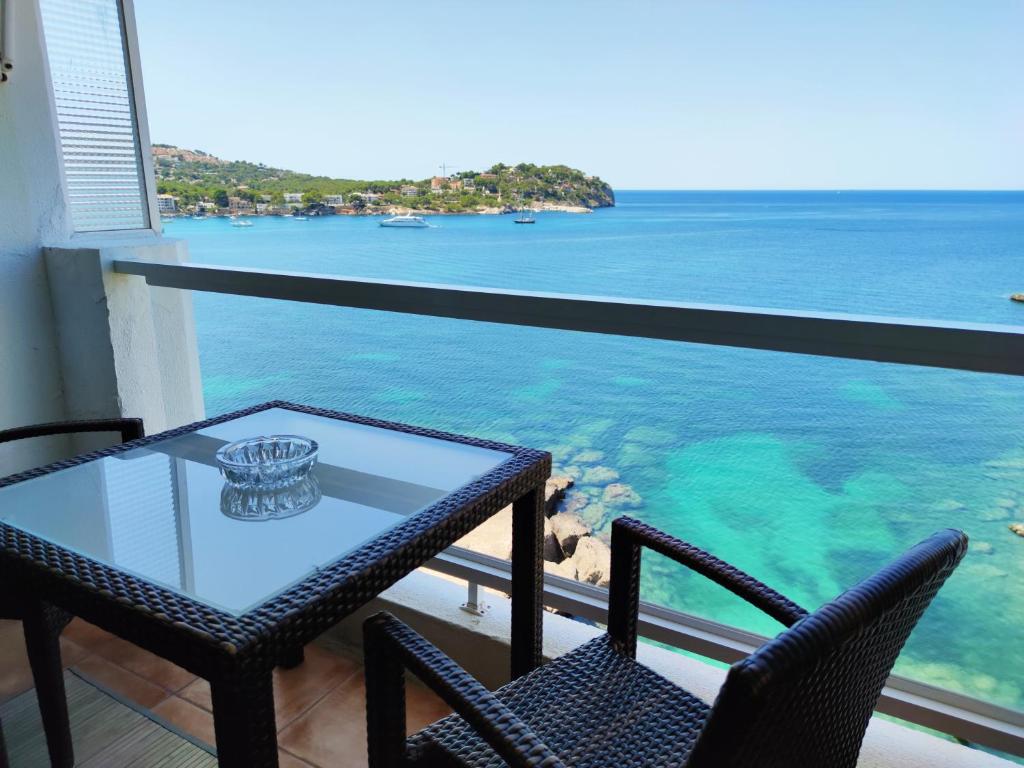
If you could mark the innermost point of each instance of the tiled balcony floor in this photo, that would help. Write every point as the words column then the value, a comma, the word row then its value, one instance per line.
column 320, row 717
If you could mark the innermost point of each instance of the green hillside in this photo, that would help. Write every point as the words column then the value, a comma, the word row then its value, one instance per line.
column 192, row 176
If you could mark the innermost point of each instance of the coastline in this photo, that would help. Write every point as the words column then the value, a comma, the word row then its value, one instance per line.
column 396, row 210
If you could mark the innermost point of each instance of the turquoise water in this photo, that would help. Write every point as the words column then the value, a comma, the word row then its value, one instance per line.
column 807, row 472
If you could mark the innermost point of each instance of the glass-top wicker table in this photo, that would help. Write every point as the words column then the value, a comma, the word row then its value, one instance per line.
column 146, row 541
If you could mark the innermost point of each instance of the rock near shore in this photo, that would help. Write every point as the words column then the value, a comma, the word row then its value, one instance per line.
column 593, row 561
column 568, row 529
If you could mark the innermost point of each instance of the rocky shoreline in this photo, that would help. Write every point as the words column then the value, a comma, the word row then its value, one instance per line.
column 573, row 546
column 576, row 545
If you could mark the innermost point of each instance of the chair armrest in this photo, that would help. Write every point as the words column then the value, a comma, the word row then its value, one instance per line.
column 130, row 429
column 629, row 535
column 392, row 647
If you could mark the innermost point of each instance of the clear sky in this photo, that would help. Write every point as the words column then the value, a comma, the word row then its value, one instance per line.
column 675, row 94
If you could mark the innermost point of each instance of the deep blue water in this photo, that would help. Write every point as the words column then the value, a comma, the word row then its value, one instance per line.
column 807, row 472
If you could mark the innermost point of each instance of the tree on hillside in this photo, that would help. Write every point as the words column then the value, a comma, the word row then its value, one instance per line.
column 220, row 198
column 310, row 197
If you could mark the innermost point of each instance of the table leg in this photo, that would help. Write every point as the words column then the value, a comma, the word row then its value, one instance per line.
column 243, row 719
column 292, row 658
column 42, row 625
column 527, row 581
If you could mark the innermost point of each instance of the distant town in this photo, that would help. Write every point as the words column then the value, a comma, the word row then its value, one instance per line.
column 192, row 182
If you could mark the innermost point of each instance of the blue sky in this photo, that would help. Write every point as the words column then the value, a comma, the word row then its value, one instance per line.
column 678, row 95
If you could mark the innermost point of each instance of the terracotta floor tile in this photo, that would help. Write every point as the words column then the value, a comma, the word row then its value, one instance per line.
column 87, row 635
column 333, row 733
column 71, row 652
column 286, row 760
column 198, row 692
column 295, row 690
column 15, row 674
column 423, row 706
column 145, row 664
column 188, row 717
column 121, row 681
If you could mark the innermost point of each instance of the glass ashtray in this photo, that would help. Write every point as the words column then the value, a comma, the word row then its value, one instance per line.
column 256, row 504
column 267, row 463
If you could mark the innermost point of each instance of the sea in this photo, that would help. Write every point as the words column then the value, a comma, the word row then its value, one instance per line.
column 807, row 472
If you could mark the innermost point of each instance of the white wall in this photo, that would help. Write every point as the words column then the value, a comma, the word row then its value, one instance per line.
column 31, row 212
column 76, row 340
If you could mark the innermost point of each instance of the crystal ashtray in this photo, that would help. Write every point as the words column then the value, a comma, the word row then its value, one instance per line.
column 255, row 504
column 267, row 463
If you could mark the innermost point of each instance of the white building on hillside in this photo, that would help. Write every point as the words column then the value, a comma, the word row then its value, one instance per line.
column 167, row 203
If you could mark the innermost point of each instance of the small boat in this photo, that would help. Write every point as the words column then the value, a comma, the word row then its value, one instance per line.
column 300, row 218
column 405, row 220
column 525, row 217
column 235, row 222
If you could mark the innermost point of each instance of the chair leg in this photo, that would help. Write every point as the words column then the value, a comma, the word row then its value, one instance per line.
column 3, row 749
column 385, row 702
column 43, row 625
column 292, row 658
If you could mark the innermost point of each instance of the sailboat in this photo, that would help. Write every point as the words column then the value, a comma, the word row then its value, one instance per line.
column 525, row 217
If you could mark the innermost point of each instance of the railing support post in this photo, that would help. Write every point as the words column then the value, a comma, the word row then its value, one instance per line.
column 473, row 602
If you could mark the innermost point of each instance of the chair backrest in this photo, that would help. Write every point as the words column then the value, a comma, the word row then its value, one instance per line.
column 805, row 697
column 130, row 429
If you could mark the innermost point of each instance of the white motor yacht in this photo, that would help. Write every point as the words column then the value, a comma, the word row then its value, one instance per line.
column 405, row 220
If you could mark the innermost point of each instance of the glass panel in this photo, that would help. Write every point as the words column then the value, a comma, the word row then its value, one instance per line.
column 96, row 114
column 161, row 513
column 808, row 472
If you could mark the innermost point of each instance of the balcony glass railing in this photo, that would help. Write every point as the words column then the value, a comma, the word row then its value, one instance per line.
column 807, row 471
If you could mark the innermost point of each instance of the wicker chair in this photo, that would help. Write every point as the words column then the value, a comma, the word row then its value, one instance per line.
column 44, row 623
column 801, row 699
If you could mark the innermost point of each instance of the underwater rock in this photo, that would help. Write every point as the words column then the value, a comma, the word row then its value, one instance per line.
column 1006, row 503
column 634, row 455
column 984, row 571
column 982, row 548
column 994, row 515
column 596, row 515
column 1006, row 463
column 599, row 475
column 621, row 495
column 561, row 453
column 574, row 503
column 651, row 436
column 588, row 457
column 572, row 471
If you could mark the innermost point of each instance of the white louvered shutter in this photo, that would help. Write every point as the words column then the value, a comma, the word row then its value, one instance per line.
column 96, row 115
